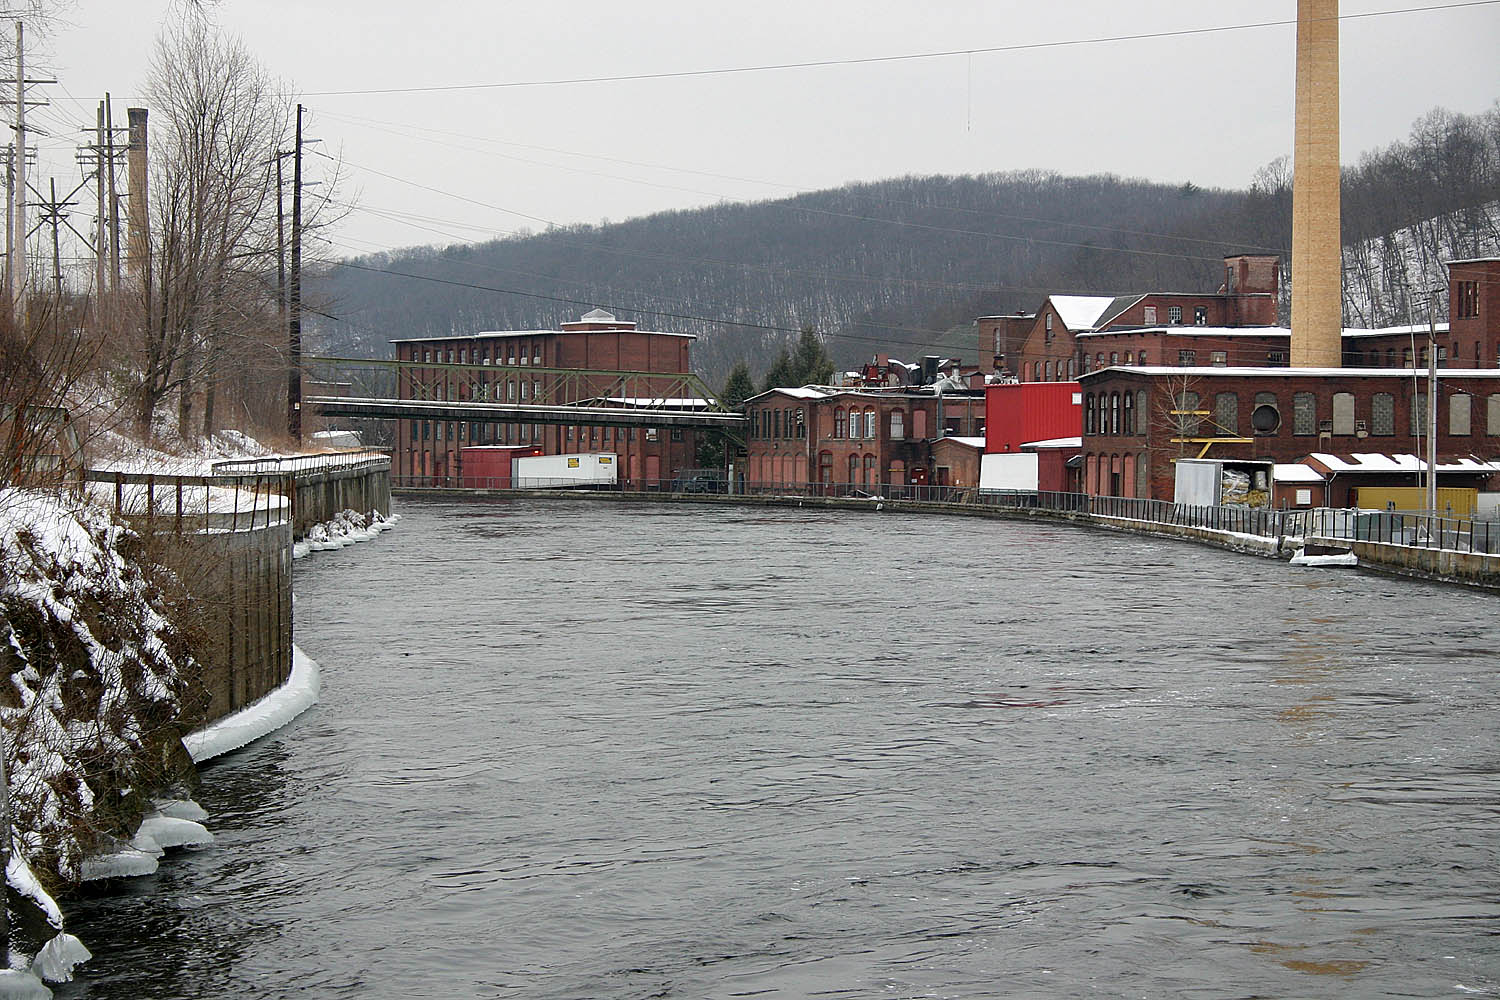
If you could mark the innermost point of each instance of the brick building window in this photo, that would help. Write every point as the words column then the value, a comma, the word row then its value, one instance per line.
column 1114, row 358
column 1187, row 418
column 1468, row 299
column 1304, row 413
column 871, row 427
column 1227, row 414
column 1383, row 414
column 1343, row 413
column 1048, row 323
column 801, row 424
column 1187, row 359
column 1036, row 371
column 1174, row 315
column 854, row 423
column 1129, row 406
column 676, row 433
column 1219, row 359
column 871, row 479
column 1494, row 415
column 1460, row 407
column 1150, row 317
column 1142, row 415
column 853, row 469
column 1276, row 357
column 1114, row 413
column 1140, row 358
column 898, row 425
column 1088, row 413
column 1072, row 373
column 840, row 423
column 1047, row 370
column 1200, row 315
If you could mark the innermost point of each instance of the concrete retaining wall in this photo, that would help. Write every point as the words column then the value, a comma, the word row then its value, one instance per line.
column 322, row 494
column 1433, row 564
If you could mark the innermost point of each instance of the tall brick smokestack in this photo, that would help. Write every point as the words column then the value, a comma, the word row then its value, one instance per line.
column 140, row 211
column 1317, row 268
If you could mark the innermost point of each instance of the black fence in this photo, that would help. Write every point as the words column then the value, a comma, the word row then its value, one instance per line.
column 1415, row 530
column 196, row 503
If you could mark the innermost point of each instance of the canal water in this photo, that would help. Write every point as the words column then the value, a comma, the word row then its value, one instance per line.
column 598, row 750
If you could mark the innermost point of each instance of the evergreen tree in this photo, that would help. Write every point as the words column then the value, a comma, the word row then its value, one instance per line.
column 738, row 387
column 782, row 373
column 811, row 361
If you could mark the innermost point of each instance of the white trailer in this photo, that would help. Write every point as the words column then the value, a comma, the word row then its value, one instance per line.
column 589, row 469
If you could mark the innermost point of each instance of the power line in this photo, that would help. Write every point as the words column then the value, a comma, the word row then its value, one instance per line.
column 872, row 60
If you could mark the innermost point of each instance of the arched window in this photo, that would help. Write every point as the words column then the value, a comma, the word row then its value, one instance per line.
column 1100, row 359
column 801, row 423
column 1140, row 358
column 1048, row 370
column 1129, row 404
column 825, row 466
column 1036, row 371
column 1088, row 414
column 872, row 429
column 853, row 470
column 840, row 423
column 871, row 478
column 898, row 425
column 1114, row 413
column 1072, row 370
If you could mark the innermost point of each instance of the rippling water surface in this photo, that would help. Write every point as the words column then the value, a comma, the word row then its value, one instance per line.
column 588, row 750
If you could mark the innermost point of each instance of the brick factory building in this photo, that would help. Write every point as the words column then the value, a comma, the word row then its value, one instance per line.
column 867, row 439
column 537, row 365
column 1138, row 421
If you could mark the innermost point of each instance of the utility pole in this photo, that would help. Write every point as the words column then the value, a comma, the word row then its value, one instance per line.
column 114, row 199
column 16, row 245
column 1432, row 389
column 101, row 242
column 294, row 305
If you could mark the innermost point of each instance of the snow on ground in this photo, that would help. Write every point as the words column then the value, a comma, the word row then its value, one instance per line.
column 264, row 716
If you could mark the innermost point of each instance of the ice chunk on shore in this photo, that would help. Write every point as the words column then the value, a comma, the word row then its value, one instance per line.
column 125, row 863
column 168, row 831
column 181, row 809
column 18, row 985
column 267, row 715
column 56, row 960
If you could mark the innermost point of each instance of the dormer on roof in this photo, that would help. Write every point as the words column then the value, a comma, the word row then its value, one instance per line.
column 598, row 319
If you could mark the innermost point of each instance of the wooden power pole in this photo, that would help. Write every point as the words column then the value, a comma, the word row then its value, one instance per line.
column 294, row 303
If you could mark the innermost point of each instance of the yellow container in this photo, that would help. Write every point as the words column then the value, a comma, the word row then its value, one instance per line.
column 1462, row 501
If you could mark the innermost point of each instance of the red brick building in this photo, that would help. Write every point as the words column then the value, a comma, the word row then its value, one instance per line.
column 531, row 366
column 868, row 439
column 1001, row 339
column 1051, row 351
column 1138, row 421
column 1473, row 309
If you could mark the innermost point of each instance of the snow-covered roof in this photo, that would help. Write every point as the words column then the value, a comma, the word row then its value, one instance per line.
column 1195, row 331
column 665, row 402
column 968, row 442
column 1072, row 442
column 504, row 334
column 1386, row 331
column 598, row 316
column 1215, row 371
column 1375, row 462
column 1296, row 472
column 1080, row 312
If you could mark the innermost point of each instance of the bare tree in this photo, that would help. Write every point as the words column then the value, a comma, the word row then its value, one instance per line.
column 218, row 124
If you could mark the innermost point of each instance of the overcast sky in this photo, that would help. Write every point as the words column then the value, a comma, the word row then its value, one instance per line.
column 1207, row 108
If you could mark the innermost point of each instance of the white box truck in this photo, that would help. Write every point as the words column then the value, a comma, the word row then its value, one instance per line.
column 590, row 469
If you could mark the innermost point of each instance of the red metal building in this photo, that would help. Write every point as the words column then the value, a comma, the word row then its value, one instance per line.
column 1018, row 413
